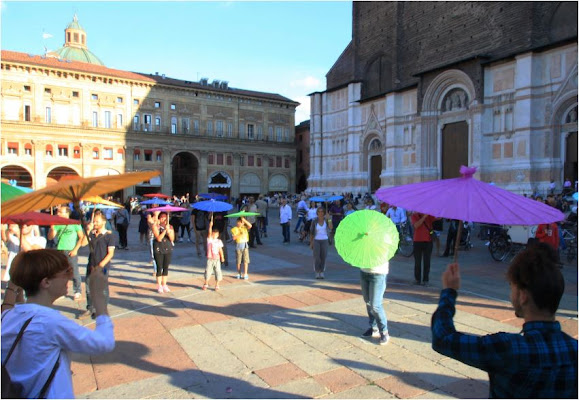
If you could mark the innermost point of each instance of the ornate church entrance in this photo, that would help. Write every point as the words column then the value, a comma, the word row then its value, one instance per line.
column 375, row 171
column 454, row 149
column 570, row 166
column 184, row 172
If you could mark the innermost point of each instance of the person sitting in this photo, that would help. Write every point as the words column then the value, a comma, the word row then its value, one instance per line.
column 48, row 337
column 539, row 362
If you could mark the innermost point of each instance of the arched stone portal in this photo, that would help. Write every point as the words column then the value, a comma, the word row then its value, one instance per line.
column 184, row 172
column 17, row 175
column 57, row 173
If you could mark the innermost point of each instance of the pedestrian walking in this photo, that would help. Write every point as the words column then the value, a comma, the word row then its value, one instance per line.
column 373, row 283
column 241, row 236
column 185, row 223
column 69, row 239
column 302, row 212
column 163, row 250
column 122, row 220
column 199, row 224
column 254, row 231
column 103, row 250
column 337, row 213
column 538, row 362
column 422, row 247
column 214, row 257
column 143, row 225
column 262, row 208
column 285, row 217
column 321, row 236
column 42, row 338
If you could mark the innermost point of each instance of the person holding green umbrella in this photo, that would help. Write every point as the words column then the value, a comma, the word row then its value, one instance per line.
column 367, row 239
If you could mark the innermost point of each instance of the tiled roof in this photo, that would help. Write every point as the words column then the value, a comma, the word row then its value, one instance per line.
column 24, row 58
column 50, row 62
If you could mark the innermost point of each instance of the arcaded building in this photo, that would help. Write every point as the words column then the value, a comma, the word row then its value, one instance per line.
column 65, row 113
column 424, row 87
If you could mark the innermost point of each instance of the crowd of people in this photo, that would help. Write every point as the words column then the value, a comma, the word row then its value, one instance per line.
column 37, row 276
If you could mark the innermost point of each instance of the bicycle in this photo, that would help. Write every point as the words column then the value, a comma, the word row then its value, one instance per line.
column 501, row 244
column 405, row 243
column 569, row 238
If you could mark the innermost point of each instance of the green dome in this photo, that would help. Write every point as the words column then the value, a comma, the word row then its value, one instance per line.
column 74, row 24
column 77, row 54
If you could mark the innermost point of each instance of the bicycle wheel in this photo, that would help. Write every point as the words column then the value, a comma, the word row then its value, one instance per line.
column 405, row 246
column 499, row 247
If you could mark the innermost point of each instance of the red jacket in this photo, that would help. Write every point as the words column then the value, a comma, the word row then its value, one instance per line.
column 548, row 233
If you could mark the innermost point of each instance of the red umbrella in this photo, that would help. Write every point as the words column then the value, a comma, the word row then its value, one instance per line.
column 37, row 218
column 159, row 195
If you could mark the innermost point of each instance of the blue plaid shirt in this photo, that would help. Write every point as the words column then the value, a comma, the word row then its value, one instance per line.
column 541, row 362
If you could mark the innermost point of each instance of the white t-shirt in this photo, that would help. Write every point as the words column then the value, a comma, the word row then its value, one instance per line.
column 48, row 335
column 312, row 213
column 321, row 231
column 213, row 247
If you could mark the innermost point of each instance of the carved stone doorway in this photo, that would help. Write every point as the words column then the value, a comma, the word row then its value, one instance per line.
column 375, row 171
column 570, row 166
column 454, row 148
column 184, row 172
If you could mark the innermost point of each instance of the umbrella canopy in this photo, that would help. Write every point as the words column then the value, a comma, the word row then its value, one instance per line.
column 212, row 206
column 325, row 198
column 73, row 190
column 168, row 209
column 214, row 196
column 156, row 200
column 366, row 239
column 98, row 200
column 9, row 192
column 159, row 195
column 38, row 218
column 242, row 214
column 469, row 199
column 574, row 196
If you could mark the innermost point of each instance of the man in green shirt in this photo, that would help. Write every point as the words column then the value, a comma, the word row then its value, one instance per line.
column 70, row 238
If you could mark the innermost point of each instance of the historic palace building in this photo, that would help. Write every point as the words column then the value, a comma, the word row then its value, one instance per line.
column 424, row 87
column 65, row 113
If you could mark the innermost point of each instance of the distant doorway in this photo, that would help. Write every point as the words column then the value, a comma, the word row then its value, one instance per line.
column 570, row 166
column 184, row 172
column 454, row 149
column 375, row 171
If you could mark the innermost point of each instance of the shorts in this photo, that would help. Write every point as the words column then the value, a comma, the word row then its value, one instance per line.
column 242, row 256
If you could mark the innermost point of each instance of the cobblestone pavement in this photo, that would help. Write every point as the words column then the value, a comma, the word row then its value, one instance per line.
column 283, row 334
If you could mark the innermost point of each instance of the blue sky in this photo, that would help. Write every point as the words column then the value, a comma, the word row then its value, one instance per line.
column 278, row 47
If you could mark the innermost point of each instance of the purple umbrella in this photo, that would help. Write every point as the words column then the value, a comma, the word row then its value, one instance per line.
column 469, row 199
column 168, row 209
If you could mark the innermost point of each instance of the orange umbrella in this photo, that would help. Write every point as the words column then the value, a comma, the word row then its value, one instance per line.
column 100, row 200
column 73, row 190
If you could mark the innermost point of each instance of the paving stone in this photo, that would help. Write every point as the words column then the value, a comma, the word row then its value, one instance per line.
column 467, row 388
column 307, row 388
column 250, row 351
column 339, row 379
column 280, row 374
column 310, row 360
column 404, row 385
column 363, row 363
column 362, row 392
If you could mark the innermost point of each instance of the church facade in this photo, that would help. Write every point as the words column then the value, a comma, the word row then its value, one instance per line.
column 425, row 87
column 64, row 113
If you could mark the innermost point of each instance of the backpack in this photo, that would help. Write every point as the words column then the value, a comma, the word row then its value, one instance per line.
column 14, row 390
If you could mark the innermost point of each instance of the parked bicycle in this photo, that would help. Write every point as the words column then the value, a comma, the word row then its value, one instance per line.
column 569, row 241
column 406, row 243
column 506, row 242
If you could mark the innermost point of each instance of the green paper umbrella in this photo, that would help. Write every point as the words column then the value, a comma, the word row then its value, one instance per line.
column 242, row 214
column 366, row 239
column 10, row 192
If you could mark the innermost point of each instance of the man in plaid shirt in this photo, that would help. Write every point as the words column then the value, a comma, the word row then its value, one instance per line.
column 541, row 361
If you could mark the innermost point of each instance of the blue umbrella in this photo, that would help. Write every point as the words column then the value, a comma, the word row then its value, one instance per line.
column 212, row 206
column 156, row 200
column 574, row 196
column 326, row 197
column 213, row 196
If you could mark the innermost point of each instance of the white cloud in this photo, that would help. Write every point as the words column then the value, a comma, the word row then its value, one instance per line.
column 303, row 110
column 308, row 82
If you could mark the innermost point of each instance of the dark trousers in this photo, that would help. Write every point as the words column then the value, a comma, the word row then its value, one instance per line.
column 162, row 261
column 185, row 228
column 254, row 235
column 450, row 242
column 87, row 286
column 285, row 229
column 122, row 235
column 422, row 253
column 76, row 279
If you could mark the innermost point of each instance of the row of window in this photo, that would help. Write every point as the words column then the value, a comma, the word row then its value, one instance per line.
column 148, row 155
column 218, row 128
column 248, row 160
column 62, row 151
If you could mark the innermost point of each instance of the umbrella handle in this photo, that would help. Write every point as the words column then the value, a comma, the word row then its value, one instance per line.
column 457, row 241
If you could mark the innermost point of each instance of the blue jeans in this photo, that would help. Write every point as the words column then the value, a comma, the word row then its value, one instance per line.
column 300, row 220
column 373, row 288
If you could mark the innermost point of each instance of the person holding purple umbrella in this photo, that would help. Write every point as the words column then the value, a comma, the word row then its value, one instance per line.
column 163, row 250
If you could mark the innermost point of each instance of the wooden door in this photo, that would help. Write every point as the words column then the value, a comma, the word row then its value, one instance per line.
column 454, row 148
column 375, row 171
